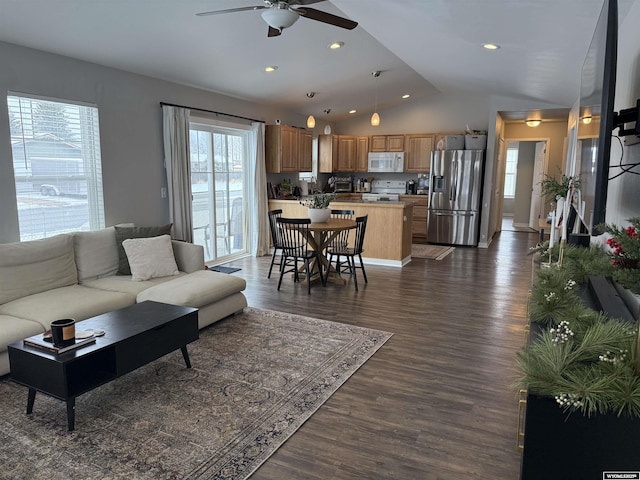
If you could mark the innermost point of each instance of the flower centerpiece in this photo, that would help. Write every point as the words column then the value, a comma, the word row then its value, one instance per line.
column 318, row 206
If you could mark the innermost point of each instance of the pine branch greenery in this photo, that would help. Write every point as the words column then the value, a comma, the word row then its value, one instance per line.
column 552, row 189
column 582, row 358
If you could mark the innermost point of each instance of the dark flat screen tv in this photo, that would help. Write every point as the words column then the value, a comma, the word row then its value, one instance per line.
column 597, row 91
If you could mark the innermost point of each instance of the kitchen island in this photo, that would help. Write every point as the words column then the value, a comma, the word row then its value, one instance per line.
column 387, row 240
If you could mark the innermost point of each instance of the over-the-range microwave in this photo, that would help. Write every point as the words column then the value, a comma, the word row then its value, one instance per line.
column 386, row 162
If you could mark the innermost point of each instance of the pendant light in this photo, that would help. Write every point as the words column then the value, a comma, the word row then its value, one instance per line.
column 327, row 127
column 311, row 122
column 375, row 118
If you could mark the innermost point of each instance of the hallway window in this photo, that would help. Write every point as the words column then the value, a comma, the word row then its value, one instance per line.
column 511, row 170
column 56, row 166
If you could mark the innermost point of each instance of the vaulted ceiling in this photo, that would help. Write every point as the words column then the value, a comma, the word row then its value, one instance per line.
column 422, row 47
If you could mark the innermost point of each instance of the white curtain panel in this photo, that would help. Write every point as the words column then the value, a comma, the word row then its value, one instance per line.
column 260, row 205
column 177, row 163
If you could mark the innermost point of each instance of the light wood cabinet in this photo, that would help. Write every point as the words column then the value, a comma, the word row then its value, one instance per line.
column 346, row 153
column 305, row 150
column 362, row 154
column 288, row 149
column 327, row 152
column 419, row 223
column 337, row 153
column 418, row 154
column 395, row 143
column 387, row 143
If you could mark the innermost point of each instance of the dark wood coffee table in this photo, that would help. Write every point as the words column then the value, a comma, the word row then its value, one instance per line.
column 134, row 336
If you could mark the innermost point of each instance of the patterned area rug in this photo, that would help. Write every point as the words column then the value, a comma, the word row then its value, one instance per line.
column 432, row 252
column 256, row 378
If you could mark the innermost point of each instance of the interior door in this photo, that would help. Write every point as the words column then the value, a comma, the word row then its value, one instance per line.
column 499, row 193
column 537, row 205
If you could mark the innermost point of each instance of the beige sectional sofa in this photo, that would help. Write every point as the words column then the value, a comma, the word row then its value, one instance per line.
column 75, row 276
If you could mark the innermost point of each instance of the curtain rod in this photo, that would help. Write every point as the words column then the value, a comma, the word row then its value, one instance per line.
column 211, row 111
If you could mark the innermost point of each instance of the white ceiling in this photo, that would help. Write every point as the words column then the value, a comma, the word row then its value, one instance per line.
column 421, row 46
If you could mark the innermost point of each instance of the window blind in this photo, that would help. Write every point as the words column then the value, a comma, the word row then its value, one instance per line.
column 56, row 164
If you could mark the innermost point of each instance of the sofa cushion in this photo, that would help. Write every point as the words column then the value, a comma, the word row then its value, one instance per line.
column 76, row 301
column 13, row 329
column 123, row 233
column 36, row 266
column 96, row 253
column 123, row 284
column 150, row 257
column 195, row 289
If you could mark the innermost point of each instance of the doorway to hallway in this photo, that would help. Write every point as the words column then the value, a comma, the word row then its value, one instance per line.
column 523, row 205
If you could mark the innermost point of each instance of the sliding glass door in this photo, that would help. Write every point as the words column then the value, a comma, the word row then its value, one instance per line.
column 218, row 182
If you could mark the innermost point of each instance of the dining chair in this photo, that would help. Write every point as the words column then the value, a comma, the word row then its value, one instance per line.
column 342, row 239
column 275, row 240
column 350, row 253
column 293, row 234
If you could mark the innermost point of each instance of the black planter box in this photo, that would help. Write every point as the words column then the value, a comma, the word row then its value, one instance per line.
column 561, row 446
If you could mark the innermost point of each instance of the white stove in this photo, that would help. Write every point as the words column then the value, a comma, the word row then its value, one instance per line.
column 380, row 197
column 385, row 191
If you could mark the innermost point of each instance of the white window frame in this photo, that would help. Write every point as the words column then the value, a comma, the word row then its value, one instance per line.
column 511, row 172
column 216, row 126
column 75, row 181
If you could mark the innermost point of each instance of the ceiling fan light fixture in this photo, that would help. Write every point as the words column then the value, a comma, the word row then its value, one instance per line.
column 533, row 123
column 280, row 18
column 311, row 121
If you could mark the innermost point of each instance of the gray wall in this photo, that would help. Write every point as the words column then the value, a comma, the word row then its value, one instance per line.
column 130, row 128
column 432, row 114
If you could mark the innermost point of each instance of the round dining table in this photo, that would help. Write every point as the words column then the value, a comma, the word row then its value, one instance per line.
column 321, row 234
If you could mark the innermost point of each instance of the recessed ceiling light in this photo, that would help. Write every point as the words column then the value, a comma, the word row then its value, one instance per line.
column 491, row 46
column 271, row 68
column 352, row 111
column 336, row 45
column 406, row 95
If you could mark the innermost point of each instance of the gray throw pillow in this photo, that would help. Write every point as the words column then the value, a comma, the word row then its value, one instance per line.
column 123, row 233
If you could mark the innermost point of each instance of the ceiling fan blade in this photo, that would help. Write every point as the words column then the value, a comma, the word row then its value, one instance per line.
column 325, row 17
column 306, row 2
column 273, row 32
column 230, row 10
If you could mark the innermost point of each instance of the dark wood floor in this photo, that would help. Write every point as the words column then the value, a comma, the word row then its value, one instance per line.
column 436, row 401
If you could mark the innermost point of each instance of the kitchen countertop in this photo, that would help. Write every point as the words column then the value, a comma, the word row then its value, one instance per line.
column 338, row 200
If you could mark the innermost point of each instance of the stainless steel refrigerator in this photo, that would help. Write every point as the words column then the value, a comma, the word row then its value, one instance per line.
column 455, row 192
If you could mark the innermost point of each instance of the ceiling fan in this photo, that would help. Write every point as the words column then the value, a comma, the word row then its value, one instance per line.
column 279, row 15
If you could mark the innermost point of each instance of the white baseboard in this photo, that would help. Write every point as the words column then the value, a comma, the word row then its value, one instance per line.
column 386, row 263
column 522, row 225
